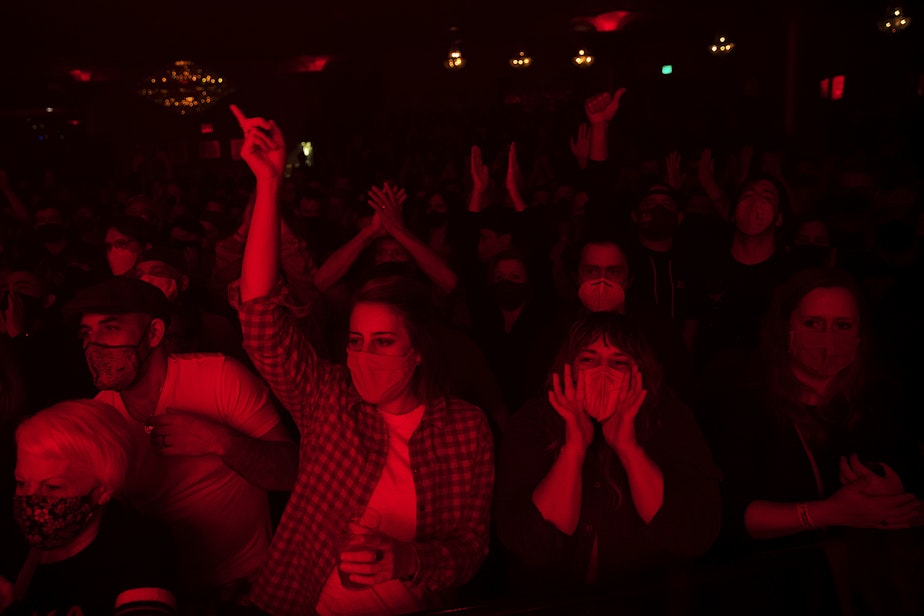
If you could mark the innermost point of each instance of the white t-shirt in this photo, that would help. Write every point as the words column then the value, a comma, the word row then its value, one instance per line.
column 395, row 499
column 220, row 521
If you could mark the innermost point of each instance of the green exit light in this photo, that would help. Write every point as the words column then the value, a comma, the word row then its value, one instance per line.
column 667, row 69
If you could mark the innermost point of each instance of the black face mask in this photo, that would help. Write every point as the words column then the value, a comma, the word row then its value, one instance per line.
column 807, row 256
column 51, row 234
column 661, row 224
column 510, row 295
column 436, row 220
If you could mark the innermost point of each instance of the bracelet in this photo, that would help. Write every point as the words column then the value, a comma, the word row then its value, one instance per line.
column 804, row 516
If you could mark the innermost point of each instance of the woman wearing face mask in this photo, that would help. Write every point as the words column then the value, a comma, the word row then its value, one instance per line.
column 508, row 322
column 88, row 554
column 379, row 438
column 608, row 481
column 815, row 455
column 126, row 239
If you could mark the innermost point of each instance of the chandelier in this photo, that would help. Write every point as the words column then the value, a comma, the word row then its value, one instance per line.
column 184, row 87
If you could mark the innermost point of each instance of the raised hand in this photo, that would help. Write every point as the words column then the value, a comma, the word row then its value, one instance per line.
column 619, row 429
column 580, row 146
column 388, row 203
column 601, row 108
column 481, row 179
column 264, row 148
column 705, row 168
column 568, row 402
column 675, row 174
column 514, row 179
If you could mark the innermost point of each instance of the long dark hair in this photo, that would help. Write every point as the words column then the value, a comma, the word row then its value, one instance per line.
column 412, row 301
column 621, row 332
column 774, row 352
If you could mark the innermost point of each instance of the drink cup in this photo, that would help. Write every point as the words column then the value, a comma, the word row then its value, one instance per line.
column 359, row 536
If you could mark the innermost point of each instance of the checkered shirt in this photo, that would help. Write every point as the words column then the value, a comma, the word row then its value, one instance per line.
column 344, row 443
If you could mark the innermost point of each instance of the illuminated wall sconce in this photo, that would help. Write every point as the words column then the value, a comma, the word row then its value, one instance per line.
column 454, row 61
column 722, row 46
column 894, row 21
column 521, row 60
column 583, row 58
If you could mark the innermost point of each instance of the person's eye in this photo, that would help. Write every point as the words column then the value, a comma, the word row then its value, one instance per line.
column 355, row 342
column 384, row 342
column 844, row 326
column 112, row 328
column 811, row 323
column 53, row 487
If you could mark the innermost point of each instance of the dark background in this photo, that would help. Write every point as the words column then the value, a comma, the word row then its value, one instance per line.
column 386, row 70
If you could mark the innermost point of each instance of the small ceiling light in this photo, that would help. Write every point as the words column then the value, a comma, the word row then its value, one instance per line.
column 454, row 61
column 722, row 46
column 583, row 58
column 894, row 21
column 521, row 60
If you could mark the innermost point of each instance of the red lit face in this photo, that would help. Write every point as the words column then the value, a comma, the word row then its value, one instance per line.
column 603, row 261
column 757, row 210
column 510, row 269
column 830, row 310
column 47, row 475
column 387, row 250
column 601, row 353
column 377, row 328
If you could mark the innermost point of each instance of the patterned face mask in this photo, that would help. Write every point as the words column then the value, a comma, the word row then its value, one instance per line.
column 114, row 367
column 49, row 522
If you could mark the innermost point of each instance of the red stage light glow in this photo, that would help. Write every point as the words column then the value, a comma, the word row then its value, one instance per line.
column 837, row 88
column 79, row 75
column 611, row 21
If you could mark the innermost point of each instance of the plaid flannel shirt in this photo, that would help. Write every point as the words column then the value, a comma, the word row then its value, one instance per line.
column 344, row 443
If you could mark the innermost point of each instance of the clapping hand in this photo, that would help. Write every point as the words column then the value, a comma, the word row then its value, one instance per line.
column 675, row 174
column 619, row 428
column 568, row 401
column 851, row 470
column 264, row 148
column 580, row 146
column 481, row 178
column 388, row 203
column 602, row 107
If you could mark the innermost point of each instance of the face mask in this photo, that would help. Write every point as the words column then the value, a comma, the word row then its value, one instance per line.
column 114, row 368
column 51, row 234
column 601, row 295
column 121, row 260
column 380, row 378
column 602, row 390
column 821, row 353
column 49, row 522
column 657, row 223
column 167, row 285
column 509, row 294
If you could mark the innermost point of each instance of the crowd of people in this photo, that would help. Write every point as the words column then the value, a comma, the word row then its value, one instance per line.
column 662, row 386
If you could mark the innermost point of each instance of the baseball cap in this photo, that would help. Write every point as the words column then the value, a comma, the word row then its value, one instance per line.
column 119, row 295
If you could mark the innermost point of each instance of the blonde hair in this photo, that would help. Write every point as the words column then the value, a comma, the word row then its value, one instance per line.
column 82, row 431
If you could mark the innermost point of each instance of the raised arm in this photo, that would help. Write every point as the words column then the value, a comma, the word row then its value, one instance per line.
column 514, row 180
column 341, row 260
column 264, row 151
column 387, row 202
column 600, row 109
column 481, row 181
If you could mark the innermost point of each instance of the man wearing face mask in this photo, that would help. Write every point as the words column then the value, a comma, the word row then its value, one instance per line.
column 126, row 239
column 208, row 441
